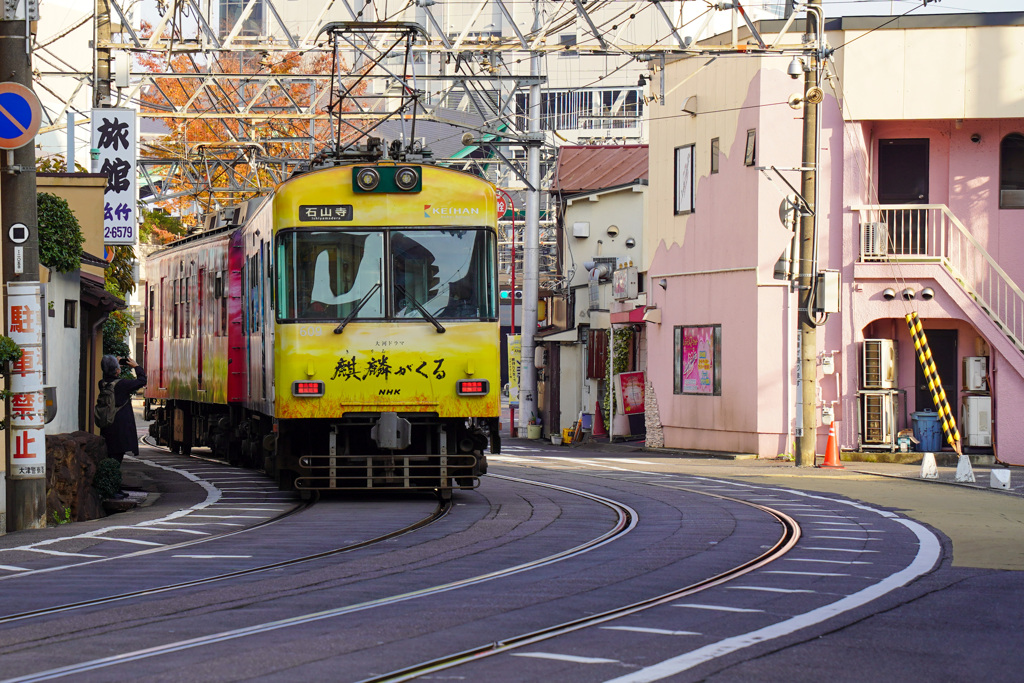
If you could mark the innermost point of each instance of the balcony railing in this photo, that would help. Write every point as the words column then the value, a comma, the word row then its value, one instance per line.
column 916, row 233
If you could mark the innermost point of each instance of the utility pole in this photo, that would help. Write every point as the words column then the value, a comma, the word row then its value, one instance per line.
column 806, row 328
column 25, row 485
column 531, row 247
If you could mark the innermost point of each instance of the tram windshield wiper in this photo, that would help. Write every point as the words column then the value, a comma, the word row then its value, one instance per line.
column 420, row 308
column 362, row 302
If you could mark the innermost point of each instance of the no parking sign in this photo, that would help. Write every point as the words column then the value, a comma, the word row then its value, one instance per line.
column 20, row 115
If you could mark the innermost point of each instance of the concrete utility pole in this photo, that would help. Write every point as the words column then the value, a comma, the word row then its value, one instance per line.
column 806, row 327
column 26, row 474
column 531, row 249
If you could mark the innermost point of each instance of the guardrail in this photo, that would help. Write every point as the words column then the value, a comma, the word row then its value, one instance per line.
column 921, row 233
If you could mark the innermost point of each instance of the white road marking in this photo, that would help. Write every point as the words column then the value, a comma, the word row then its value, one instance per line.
column 847, row 538
column 61, row 553
column 807, row 559
column 566, row 658
column 215, row 557
column 128, row 540
column 718, row 608
column 782, row 571
column 842, row 550
column 655, row 631
column 11, row 568
column 770, row 590
column 928, row 553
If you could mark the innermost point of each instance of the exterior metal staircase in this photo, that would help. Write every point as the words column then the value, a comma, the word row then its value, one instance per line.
column 930, row 233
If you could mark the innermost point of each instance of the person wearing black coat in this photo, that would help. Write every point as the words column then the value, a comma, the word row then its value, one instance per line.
column 122, row 436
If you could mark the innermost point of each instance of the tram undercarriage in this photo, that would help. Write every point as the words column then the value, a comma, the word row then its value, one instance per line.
column 404, row 451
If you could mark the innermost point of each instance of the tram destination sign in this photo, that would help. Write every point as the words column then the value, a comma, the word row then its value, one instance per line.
column 325, row 213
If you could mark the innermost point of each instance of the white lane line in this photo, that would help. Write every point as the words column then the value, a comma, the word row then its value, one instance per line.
column 128, row 540
column 227, row 516
column 807, row 559
column 566, row 658
column 847, row 538
column 718, row 608
column 12, row 568
column 782, row 571
column 629, row 461
column 770, row 590
column 60, row 553
column 842, row 550
column 654, row 631
column 215, row 557
column 178, row 523
column 928, row 553
column 834, row 523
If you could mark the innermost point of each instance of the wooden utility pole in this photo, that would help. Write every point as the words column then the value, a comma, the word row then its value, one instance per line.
column 19, row 232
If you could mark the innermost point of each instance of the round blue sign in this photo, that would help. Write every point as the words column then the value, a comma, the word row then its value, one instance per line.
column 20, row 115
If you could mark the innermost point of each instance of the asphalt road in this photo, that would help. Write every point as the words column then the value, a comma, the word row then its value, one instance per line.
column 888, row 577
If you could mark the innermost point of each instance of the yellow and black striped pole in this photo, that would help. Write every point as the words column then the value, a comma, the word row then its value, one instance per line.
column 931, row 376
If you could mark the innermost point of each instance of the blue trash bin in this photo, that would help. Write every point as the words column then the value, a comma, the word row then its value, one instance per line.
column 927, row 431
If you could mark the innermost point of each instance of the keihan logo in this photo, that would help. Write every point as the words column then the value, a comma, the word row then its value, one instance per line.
column 429, row 210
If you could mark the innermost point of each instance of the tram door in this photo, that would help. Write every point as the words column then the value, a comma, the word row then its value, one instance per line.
column 200, row 336
column 162, row 330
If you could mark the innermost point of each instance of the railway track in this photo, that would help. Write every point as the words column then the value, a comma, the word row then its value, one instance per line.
column 787, row 539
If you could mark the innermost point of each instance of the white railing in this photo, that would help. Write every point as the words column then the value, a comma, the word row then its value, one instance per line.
column 916, row 233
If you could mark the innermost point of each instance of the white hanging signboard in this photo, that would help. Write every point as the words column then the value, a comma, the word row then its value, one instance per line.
column 114, row 155
column 28, row 403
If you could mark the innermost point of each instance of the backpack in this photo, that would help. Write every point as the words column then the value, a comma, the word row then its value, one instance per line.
column 105, row 410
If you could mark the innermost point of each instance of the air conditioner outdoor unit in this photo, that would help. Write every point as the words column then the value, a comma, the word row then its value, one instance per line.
column 977, row 419
column 879, row 364
column 879, row 418
column 874, row 238
column 975, row 369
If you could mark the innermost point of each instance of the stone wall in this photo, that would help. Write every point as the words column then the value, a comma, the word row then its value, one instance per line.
column 71, row 461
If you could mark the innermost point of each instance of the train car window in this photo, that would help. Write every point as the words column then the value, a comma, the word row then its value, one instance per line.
column 151, row 313
column 450, row 273
column 326, row 274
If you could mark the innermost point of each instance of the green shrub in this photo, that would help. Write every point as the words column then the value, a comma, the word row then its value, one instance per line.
column 107, row 481
column 60, row 235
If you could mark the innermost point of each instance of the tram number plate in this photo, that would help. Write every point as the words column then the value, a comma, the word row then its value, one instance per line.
column 325, row 212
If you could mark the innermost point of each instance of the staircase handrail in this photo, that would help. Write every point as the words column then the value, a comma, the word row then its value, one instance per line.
column 947, row 261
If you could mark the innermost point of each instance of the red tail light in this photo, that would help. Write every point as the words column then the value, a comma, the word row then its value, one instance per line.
column 472, row 387
column 308, row 388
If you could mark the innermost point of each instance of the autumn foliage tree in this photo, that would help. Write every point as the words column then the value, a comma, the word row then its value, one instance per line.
column 253, row 114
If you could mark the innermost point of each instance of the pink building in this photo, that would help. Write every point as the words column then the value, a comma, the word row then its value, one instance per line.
column 920, row 208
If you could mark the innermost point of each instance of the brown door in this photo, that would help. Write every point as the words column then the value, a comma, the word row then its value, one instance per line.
column 903, row 179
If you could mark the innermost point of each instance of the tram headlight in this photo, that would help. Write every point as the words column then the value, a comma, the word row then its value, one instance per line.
column 406, row 178
column 367, row 179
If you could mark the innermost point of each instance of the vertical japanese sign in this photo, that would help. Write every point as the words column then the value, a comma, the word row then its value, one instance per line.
column 113, row 137
column 515, row 359
column 28, row 404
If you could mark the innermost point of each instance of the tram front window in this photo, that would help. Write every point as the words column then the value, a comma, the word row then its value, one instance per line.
column 325, row 275
column 448, row 273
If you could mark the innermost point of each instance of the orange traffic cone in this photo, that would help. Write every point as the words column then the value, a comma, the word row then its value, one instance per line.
column 832, row 450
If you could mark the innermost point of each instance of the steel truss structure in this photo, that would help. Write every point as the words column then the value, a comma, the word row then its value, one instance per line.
column 269, row 91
